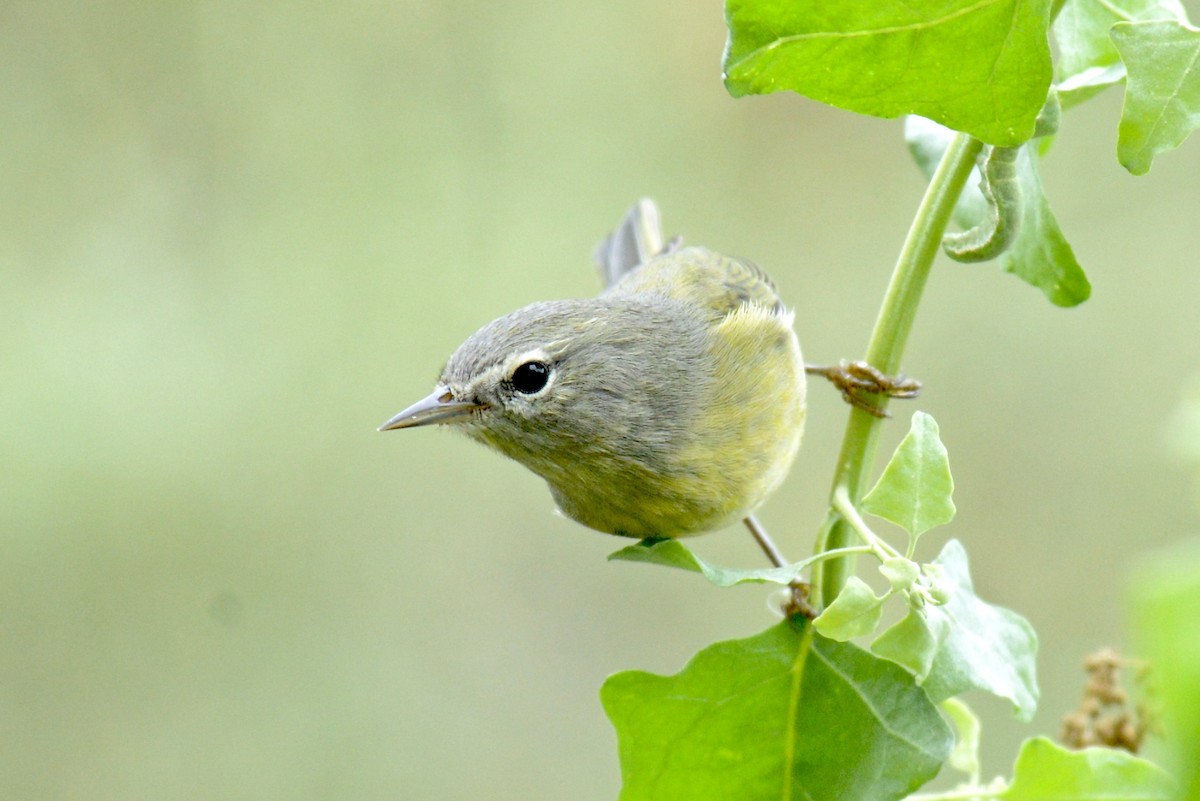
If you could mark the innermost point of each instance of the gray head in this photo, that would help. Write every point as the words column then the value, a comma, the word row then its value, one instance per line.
column 576, row 385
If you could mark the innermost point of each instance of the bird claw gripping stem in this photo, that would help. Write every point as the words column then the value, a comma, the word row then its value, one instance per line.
column 857, row 380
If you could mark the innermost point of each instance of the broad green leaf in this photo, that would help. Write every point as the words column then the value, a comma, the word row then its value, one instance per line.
column 783, row 714
column 1081, row 31
column 985, row 647
column 854, row 613
column 915, row 488
column 1162, row 91
column 974, row 645
column 980, row 66
column 1166, row 596
column 673, row 553
column 965, row 756
column 1040, row 255
column 1047, row 772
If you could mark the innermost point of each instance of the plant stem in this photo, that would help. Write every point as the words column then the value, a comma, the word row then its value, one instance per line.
column 891, row 332
column 843, row 506
column 834, row 554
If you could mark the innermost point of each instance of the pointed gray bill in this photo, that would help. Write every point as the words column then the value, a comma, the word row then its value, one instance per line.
column 439, row 407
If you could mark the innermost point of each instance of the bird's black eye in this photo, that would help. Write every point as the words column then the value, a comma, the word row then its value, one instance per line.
column 530, row 377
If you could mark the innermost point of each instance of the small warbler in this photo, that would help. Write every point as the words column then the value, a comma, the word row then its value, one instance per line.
column 672, row 404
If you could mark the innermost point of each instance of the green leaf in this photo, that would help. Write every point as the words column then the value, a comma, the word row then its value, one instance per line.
column 1040, row 255
column 672, row 553
column 1166, row 595
column 912, row 642
column 1082, row 27
column 974, row 644
column 1047, row 772
column 1162, row 91
column 984, row 647
column 854, row 613
column 980, row 66
column 782, row 714
column 965, row 756
column 1077, row 88
column 901, row 573
column 915, row 488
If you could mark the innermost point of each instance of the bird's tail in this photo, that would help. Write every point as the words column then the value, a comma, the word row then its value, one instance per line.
column 636, row 240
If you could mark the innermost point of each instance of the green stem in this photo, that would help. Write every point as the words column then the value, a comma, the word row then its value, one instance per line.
column 850, row 550
column 891, row 332
column 875, row 544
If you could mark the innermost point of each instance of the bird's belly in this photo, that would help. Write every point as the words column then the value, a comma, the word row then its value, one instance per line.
column 697, row 495
column 713, row 464
column 647, row 510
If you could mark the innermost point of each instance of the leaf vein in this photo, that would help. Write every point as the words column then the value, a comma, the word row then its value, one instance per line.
column 1172, row 98
column 884, row 723
column 780, row 41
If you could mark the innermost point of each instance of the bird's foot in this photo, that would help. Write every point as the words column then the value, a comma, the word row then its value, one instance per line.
column 859, row 380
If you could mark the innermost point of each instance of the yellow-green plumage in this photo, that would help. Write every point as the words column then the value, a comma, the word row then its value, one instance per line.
column 673, row 402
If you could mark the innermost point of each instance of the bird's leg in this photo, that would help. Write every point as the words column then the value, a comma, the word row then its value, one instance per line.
column 798, row 603
column 857, row 380
column 764, row 541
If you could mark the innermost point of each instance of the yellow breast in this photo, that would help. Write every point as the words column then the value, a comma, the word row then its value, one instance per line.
column 747, row 430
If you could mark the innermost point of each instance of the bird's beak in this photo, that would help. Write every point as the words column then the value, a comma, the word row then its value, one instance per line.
column 439, row 407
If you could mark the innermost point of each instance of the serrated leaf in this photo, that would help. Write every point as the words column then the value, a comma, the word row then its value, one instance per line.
column 1040, row 256
column 1162, row 90
column 915, row 489
column 965, row 756
column 1082, row 27
column 854, row 613
column 672, row 553
column 980, row 646
column 783, row 714
column 1166, row 595
column 1047, row 772
column 977, row 66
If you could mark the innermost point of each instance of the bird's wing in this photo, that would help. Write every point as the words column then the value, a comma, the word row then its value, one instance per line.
column 634, row 259
column 742, row 282
column 716, row 283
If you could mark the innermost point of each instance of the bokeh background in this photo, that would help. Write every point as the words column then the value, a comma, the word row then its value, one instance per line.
column 235, row 237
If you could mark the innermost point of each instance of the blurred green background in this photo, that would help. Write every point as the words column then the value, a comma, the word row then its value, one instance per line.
column 236, row 237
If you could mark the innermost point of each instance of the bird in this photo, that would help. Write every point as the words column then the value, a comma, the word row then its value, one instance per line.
column 670, row 405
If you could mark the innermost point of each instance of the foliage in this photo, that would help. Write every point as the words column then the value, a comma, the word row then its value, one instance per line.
column 754, row 718
column 1047, row 772
column 889, row 59
column 799, row 710
column 1166, row 595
